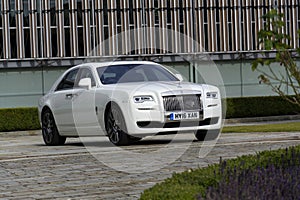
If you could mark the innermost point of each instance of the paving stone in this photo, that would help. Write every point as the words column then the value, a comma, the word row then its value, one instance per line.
column 30, row 170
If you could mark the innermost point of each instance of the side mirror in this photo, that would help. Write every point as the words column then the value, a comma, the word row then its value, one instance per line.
column 85, row 83
column 179, row 76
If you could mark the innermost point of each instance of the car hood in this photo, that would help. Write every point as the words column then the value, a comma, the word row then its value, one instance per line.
column 162, row 88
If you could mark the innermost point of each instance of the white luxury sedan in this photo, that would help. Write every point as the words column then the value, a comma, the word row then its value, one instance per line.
column 126, row 101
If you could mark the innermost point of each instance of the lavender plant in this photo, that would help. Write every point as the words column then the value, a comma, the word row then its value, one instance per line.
column 278, row 178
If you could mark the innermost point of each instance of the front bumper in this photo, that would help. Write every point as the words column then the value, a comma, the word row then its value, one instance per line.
column 144, row 122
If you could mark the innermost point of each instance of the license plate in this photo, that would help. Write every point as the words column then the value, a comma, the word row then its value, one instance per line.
column 184, row 115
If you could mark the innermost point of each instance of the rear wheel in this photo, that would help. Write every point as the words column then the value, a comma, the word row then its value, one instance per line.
column 202, row 135
column 49, row 130
column 116, row 127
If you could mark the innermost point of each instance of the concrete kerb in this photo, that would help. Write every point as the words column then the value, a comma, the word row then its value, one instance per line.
column 228, row 122
column 21, row 133
column 262, row 120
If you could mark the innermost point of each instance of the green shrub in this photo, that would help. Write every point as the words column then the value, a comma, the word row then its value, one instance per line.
column 259, row 107
column 16, row 119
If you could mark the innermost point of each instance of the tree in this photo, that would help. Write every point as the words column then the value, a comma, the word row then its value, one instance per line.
column 273, row 38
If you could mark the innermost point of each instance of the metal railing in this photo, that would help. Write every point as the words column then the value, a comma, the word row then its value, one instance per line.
column 62, row 29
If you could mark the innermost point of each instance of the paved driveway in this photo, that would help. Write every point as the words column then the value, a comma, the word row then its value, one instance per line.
column 28, row 169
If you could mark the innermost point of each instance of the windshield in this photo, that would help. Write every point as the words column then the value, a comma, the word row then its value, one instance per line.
column 134, row 73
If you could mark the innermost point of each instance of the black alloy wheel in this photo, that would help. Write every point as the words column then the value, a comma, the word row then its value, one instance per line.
column 49, row 130
column 116, row 127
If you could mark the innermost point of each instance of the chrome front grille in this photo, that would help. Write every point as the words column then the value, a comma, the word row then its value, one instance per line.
column 183, row 102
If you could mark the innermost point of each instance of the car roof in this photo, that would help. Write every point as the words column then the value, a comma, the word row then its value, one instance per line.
column 112, row 63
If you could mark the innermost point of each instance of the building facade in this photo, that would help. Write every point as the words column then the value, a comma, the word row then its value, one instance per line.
column 40, row 39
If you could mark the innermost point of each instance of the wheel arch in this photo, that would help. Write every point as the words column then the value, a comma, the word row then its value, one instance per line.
column 108, row 106
column 43, row 111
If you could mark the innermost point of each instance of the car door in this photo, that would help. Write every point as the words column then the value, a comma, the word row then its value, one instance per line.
column 84, row 106
column 62, row 101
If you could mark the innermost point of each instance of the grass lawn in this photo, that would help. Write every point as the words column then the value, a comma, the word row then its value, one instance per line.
column 286, row 127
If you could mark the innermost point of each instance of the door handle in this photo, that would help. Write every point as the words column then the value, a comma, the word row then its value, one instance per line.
column 69, row 96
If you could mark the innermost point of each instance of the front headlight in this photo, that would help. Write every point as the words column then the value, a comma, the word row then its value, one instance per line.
column 141, row 99
column 212, row 95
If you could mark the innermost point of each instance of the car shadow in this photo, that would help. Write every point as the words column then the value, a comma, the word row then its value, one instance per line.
column 144, row 142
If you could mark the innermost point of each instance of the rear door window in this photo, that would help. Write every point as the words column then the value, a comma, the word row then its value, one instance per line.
column 68, row 80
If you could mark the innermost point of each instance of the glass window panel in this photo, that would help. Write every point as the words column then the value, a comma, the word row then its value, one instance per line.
column 79, row 13
column 67, row 42
column 13, row 43
column 92, row 38
column 251, row 86
column 156, row 12
column 52, row 4
column 106, row 33
column 66, row 13
column 13, row 96
column 206, row 37
column 53, row 13
column 1, row 43
column 254, row 44
column 205, row 11
column 105, row 17
column 217, row 13
column 80, row 42
column 54, row 42
column 218, row 37
column 12, row 5
column 250, row 77
column 232, row 91
column 120, row 49
column 106, row 44
column 12, row 17
column 230, row 36
column 118, row 13
column 257, row 90
column 230, row 72
column 38, row 8
column 25, row 13
column 1, row 9
column 180, row 11
column 40, row 42
column 229, row 9
column 168, row 12
column 132, row 40
column 27, row 43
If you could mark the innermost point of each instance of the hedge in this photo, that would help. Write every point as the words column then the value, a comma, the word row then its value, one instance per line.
column 16, row 119
column 259, row 107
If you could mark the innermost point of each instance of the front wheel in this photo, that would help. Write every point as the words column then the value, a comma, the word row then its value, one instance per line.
column 116, row 127
column 202, row 135
column 49, row 130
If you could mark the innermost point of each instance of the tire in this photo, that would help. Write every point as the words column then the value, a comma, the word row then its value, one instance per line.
column 116, row 127
column 49, row 130
column 202, row 135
